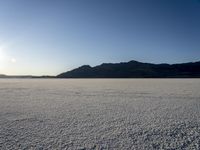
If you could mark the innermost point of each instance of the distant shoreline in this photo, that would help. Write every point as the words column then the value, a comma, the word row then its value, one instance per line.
column 99, row 78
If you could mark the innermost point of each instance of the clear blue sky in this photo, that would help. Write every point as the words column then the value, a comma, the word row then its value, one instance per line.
column 42, row 37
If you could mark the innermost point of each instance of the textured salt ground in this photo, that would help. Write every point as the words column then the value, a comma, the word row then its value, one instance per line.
column 99, row 114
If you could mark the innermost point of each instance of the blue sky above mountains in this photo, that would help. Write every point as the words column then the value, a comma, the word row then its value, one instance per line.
column 51, row 36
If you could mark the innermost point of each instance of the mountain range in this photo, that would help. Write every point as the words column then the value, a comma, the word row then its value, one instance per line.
column 135, row 69
column 131, row 69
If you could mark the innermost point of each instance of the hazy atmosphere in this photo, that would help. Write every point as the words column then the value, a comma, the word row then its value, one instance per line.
column 47, row 37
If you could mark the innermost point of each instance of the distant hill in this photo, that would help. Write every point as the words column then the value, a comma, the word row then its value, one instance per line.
column 23, row 76
column 2, row 75
column 135, row 69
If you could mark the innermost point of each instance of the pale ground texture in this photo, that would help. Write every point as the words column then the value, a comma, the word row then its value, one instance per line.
column 99, row 114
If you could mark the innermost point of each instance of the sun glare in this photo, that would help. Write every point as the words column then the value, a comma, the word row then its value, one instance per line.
column 13, row 60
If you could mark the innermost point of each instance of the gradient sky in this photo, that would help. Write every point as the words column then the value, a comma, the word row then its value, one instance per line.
column 41, row 37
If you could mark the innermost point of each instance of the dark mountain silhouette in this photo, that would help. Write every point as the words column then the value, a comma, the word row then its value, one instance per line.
column 135, row 69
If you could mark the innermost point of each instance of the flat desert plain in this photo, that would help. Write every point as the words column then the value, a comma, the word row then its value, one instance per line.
column 99, row 114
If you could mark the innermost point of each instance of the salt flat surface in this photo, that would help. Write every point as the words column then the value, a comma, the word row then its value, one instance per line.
column 99, row 114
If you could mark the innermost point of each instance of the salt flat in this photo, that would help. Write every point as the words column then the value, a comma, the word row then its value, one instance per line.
column 99, row 114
